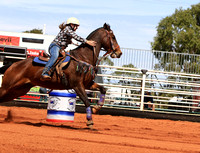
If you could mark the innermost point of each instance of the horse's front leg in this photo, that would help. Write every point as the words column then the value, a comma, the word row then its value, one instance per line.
column 100, row 103
column 80, row 91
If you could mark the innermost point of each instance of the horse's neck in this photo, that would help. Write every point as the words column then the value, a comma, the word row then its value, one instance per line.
column 87, row 53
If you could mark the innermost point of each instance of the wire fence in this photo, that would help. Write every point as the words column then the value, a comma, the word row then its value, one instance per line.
column 158, row 60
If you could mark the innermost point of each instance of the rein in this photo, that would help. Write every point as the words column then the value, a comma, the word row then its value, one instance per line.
column 112, row 50
column 109, row 52
column 103, row 57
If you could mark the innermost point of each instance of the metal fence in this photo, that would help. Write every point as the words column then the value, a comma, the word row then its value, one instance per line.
column 170, row 91
column 158, row 60
column 172, row 79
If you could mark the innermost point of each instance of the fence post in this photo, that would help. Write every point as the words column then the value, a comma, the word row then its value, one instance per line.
column 143, row 89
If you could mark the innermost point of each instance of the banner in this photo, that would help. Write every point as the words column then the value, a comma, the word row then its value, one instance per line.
column 9, row 40
column 34, row 52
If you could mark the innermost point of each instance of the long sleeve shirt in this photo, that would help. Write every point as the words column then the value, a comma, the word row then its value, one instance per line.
column 64, row 37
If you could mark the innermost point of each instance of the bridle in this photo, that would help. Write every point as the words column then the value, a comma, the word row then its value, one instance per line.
column 109, row 51
column 113, row 49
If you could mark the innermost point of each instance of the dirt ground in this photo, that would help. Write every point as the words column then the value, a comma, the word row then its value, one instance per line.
column 29, row 132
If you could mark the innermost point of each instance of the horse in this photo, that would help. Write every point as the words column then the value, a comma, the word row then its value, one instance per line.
column 24, row 74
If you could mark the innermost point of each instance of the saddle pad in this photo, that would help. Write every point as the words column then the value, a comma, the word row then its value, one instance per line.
column 37, row 60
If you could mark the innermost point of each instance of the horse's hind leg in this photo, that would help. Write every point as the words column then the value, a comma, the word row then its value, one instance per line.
column 8, row 94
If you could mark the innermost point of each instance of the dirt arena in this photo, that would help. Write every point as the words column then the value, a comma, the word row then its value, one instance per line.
column 30, row 133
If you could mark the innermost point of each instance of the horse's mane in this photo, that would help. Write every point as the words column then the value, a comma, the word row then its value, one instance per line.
column 92, row 33
column 88, row 38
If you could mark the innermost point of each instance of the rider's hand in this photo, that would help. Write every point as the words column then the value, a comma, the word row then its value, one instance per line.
column 91, row 43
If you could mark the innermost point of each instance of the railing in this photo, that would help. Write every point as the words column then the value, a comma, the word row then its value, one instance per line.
column 158, row 60
column 171, row 92
column 126, row 88
column 172, row 79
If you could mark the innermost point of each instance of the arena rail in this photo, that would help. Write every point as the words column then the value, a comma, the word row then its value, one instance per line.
column 127, row 87
column 158, row 60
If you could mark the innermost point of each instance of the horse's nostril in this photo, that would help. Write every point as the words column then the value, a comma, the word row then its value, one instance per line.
column 119, row 55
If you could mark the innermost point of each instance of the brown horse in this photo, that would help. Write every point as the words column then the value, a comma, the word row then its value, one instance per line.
column 23, row 75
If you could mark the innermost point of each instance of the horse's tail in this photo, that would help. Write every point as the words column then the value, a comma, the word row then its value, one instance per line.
column 4, row 68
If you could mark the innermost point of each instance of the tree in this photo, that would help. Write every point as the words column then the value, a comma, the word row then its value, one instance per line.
column 128, row 74
column 178, row 33
column 127, row 94
column 107, row 61
column 37, row 31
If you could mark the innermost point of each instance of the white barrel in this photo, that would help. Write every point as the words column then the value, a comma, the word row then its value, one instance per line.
column 61, row 106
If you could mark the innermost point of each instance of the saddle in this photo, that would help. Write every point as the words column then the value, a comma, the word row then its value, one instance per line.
column 45, row 57
column 61, row 63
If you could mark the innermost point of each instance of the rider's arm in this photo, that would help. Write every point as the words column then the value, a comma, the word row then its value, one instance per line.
column 72, row 34
column 75, row 36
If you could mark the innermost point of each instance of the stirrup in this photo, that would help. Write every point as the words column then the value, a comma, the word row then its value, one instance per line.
column 45, row 74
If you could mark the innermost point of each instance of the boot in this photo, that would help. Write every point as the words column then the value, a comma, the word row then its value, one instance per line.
column 45, row 74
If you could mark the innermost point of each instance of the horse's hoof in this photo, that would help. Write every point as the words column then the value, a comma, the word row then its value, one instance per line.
column 9, row 117
column 90, row 124
column 95, row 109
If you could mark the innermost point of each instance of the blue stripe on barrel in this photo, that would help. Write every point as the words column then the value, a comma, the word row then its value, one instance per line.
column 62, row 94
column 55, row 112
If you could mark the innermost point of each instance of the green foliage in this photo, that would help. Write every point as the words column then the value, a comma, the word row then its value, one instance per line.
column 129, row 74
column 126, row 73
column 179, row 32
column 107, row 61
column 37, row 31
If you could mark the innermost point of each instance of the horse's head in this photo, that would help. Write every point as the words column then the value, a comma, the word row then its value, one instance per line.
column 110, row 43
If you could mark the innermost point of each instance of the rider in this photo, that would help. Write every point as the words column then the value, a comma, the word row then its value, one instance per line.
column 62, row 40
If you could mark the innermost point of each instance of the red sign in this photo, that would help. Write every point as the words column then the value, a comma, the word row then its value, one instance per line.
column 9, row 40
column 30, row 97
column 34, row 52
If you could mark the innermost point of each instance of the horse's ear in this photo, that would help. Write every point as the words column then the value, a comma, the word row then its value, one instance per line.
column 106, row 26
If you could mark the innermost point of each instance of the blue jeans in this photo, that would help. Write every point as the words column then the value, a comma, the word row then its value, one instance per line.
column 54, row 53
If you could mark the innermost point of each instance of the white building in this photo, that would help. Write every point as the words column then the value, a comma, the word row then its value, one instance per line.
column 16, row 46
column 34, row 43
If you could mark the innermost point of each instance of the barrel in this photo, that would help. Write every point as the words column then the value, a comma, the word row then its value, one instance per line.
column 61, row 106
